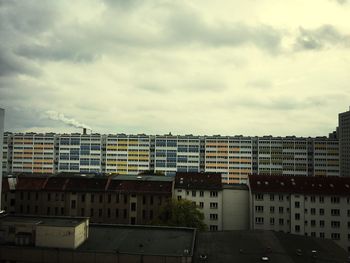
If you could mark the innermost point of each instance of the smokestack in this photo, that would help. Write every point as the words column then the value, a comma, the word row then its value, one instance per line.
column 84, row 131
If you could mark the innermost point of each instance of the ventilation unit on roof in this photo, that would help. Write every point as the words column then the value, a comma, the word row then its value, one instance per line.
column 331, row 185
column 266, row 183
column 258, row 182
column 139, row 177
column 282, row 183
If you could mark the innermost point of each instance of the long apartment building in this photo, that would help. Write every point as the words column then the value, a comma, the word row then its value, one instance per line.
column 126, row 154
column 113, row 199
column 32, row 152
column 234, row 157
column 303, row 205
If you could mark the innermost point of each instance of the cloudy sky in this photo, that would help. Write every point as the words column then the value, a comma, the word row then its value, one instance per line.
column 251, row 67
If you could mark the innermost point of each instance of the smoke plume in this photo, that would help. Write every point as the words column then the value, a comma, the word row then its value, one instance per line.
column 56, row 116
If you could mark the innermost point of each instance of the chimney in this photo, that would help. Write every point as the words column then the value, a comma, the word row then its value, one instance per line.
column 84, row 131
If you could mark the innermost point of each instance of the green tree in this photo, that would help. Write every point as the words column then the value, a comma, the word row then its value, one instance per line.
column 182, row 213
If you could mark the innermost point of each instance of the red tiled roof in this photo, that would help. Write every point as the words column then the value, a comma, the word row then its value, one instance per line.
column 205, row 181
column 56, row 183
column 330, row 185
column 27, row 183
column 76, row 184
column 140, row 186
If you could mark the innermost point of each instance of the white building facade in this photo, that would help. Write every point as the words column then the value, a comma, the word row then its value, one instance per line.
column 310, row 206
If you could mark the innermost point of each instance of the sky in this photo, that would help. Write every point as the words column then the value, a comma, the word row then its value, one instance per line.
column 202, row 67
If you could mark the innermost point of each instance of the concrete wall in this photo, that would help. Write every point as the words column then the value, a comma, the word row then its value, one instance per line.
column 51, row 236
column 81, row 233
column 235, row 208
column 2, row 118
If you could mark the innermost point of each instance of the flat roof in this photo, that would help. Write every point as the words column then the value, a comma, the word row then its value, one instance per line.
column 251, row 246
column 43, row 220
column 147, row 240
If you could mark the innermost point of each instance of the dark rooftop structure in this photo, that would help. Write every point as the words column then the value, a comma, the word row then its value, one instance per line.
column 147, row 240
column 260, row 246
column 326, row 185
column 200, row 181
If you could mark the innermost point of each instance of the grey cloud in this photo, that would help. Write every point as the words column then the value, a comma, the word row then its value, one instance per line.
column 12, row 65
column 341, row 1
column 319, row 38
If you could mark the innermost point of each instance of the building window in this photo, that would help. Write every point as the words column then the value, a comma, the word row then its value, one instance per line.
column 91, row 212
column 259, row 197
column 313, row 211
column 214, row 205
column 281, row 221
column 280, row 197
column 322, row 235
column 100, row 212
column 62, row 211
column 272, row 209
column 335, row 224
column 272, row 197
column 313, row 234
column 297, row 228
column 48, row 210
column 82, row 212
column 213, row 216
column 313, row 199
column 117, row 198
column 321, row 211
column 297, row 216
column 335, row 200
column 213, row 193
column 201, row 193
column 151, row 214
column 194, row 193
column 335, row 236
column 213, row 228
column 297, row 204
column 313, row 223
column 73, row 204
column 101, row 198
column 335, row 212
column 143, row 214
column 133, row 206
column 321, row 199
column 109, row 198
column 108, row 212
column 179, row 197
column 125, row 213
column 117, row 213
column 259, row 209
column 280, row 209
column 322, row 223
column 92, row 198
column 48, row 197
column 272, row 221
column 259, row 220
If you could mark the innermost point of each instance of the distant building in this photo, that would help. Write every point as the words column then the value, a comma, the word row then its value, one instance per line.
column 225, row 207
column 33, row 152
column 79, row 153
column 302, row 205
column 126, row 154
column 344, row 140
column 113, row 200
column 234, row 157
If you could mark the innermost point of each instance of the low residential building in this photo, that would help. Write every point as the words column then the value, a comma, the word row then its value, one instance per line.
column 225, row 207
column 302, row 205
column 62, row 239
column 113, row 199
column 59, row 232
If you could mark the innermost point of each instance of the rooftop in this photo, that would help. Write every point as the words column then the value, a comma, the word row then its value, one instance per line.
column 147, row 240
column 42, row 220
column 325, row 185
column 251, row 246
column 201, row 181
